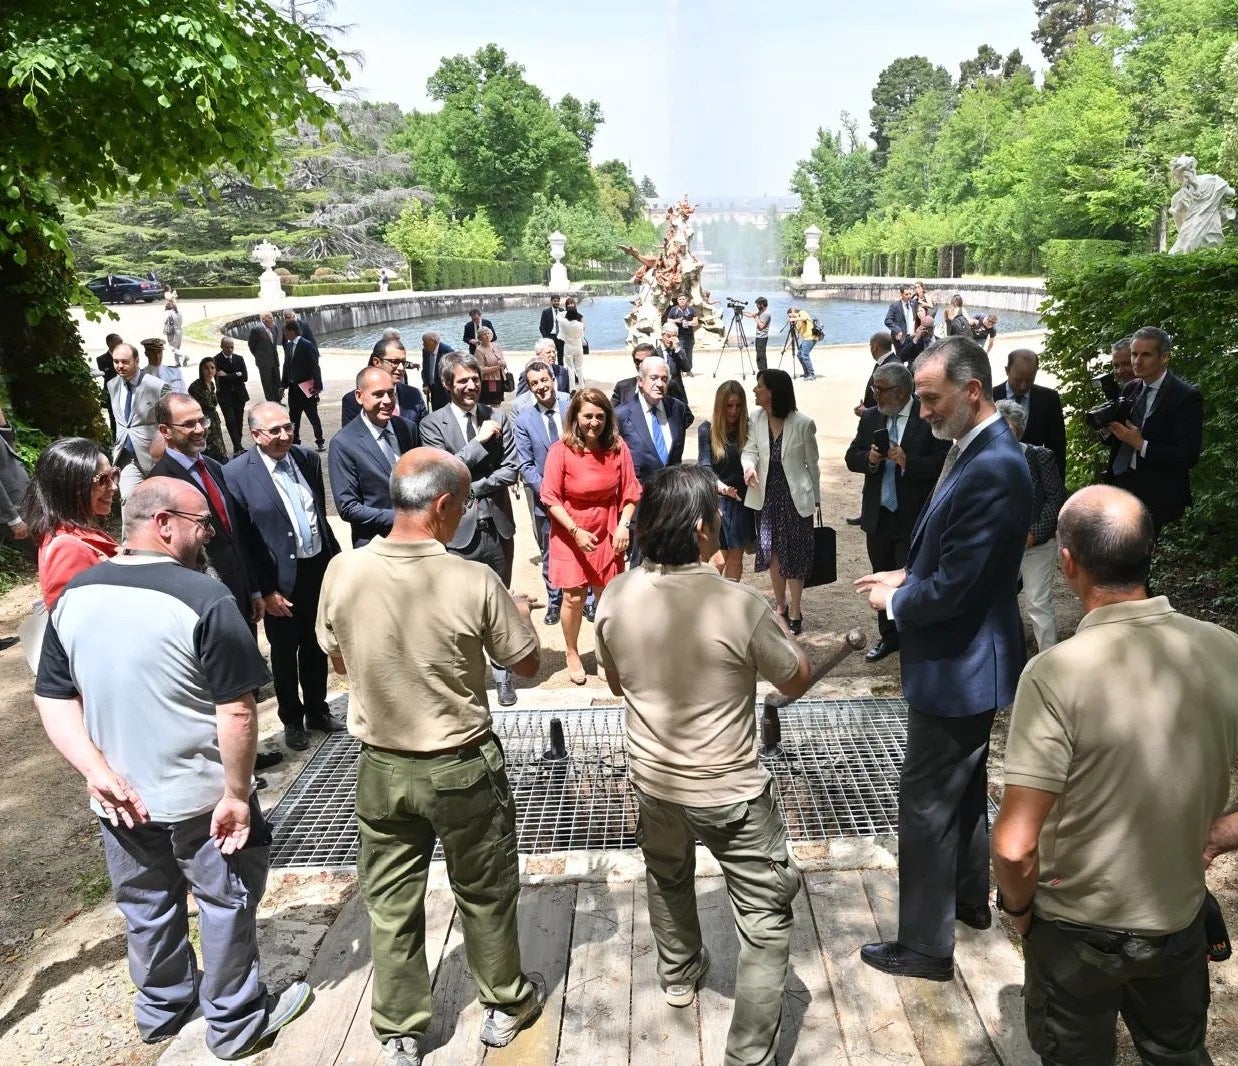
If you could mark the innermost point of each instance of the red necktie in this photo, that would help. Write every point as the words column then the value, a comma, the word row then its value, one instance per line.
column 214, row 495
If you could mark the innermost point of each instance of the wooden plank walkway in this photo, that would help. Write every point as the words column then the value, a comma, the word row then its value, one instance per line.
column 591, row 940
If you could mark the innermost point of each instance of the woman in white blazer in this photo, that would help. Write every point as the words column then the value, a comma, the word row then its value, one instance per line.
column 783, row 475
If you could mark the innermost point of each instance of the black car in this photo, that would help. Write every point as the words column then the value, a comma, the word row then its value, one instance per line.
column 121, row 288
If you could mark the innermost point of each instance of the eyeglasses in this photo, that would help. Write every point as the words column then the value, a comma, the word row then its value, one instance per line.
column 396, row 362
column 274, row 431
column 205, row 423
column 884, row 388
column 106, row 477
column 202, row 521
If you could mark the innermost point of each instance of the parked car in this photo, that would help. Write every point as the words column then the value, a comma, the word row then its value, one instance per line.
column 121, row 288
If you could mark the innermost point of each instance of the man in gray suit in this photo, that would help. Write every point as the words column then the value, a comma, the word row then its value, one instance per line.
column 13, row 482
column 482, row 438
column 133, row 394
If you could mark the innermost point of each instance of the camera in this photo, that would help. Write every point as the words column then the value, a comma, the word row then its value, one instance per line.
column 1119, row 410
column 736, row 305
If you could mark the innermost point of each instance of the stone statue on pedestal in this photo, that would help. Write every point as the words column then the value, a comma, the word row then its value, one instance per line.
column 1199, row 207
column 269, row 288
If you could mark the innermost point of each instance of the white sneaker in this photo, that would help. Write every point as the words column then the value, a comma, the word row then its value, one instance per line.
column 682, row 995
column 499, row 1029
column 402, row 1051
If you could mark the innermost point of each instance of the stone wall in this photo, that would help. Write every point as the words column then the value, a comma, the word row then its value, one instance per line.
column 979, row 295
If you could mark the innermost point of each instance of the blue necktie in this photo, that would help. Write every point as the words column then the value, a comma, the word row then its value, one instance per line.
column 128, row 400
column 293, row 492
column 552, row 431
column 659, row 438
column 889, row 494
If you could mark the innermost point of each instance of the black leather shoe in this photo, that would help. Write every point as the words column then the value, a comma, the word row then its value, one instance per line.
column 889, row 956
column 325, row 723
column 855, row 521
column 978, row 917
column 296, row 738
column 552, row 616
column 7, row 642
column 267, row 759
column 507, row 692
column 880, row 650
column 591, row 609
column 796, row 625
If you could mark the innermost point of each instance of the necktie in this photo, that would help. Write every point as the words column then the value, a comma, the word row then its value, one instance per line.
column 552, row 430
column 288, row 483
column 952, row 457
column 470, row 430
column 659, row 438
column 889, row 494
column 128, row 400
column 1125, row 459
column 386, row 441
column 213, row 494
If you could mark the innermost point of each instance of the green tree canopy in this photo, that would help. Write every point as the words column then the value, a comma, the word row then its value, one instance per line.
column 1061, row 21
column 899, row 86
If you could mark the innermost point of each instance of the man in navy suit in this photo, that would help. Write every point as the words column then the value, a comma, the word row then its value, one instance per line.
column 1152, row 453
column 548, row 326
column 303, row 380
column 537, row 427
column 362, row 455
column 409, row 403
column 900, row 319
column 473, row 326
column 957, row 611
column 278, row 486
column 432, row 350
column 1046, row 425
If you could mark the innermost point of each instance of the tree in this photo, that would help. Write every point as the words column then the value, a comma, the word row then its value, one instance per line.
column 90, row 112
column 972, row 71
column 647, row 187
column 907, row 180
column 581, row 119
column 899, row 86
column 618, row 192
column 835, row 183
column 1060, row 22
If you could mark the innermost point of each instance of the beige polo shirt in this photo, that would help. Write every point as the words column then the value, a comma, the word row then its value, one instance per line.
column 688, row 646
column 414, row 626
column 1133, row 724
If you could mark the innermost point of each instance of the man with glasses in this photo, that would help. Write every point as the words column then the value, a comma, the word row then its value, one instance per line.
column 293, row 538
column 182, row 427
column 132, row 395
column 895, row 450
column 167, row 753
column 409, row 403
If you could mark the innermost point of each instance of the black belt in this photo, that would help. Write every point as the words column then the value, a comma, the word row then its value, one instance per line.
column 462, row 751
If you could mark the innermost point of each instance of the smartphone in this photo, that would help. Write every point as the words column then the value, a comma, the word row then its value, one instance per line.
column 881, row 440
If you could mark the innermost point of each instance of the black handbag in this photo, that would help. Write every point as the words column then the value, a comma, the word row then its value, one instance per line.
column 509, row 382
column 824, row 569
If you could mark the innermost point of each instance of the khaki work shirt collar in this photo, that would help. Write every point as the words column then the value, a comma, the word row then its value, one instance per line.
column 406, row 549
column 1128, row 611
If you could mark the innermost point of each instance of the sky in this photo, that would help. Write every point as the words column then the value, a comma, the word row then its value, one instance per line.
column 711, row 97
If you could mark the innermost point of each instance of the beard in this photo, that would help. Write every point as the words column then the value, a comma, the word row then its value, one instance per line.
column 952, row 428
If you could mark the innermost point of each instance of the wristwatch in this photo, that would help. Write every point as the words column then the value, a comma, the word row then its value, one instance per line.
column 1001, row 906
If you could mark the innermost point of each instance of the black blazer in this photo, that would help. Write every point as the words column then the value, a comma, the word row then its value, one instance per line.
column 1046, row 425
column 676, row 364
column 430, row 381
column 227, row 553
column 630, row 419
column 301, row 364
column 470, row 331
column 1174, row 430
column 624, row 392
column 361, row 478
column 271, row 536
column 546, row 324
column 896, row 322
column 412, row 407
column 913, row 486
column 264, row 348
column 231, row 387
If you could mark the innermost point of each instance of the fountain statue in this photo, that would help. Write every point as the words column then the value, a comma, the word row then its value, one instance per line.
column 558, row 272
column 1199, row 207
column 269, row 288
column 662, row 277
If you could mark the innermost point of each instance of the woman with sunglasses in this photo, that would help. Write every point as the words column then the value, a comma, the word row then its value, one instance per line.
column 67, row 499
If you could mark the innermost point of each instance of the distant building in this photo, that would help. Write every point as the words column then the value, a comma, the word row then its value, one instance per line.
column 750, row 209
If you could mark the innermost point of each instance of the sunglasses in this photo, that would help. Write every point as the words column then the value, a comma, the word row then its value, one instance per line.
column 202, row 521
column 106, row 477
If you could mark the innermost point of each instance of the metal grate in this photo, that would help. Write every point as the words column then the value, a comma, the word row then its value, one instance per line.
column 836, row 776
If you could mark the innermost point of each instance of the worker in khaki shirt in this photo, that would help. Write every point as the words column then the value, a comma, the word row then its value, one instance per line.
column 692, row 750
column 430, row 765
column 1117, row 770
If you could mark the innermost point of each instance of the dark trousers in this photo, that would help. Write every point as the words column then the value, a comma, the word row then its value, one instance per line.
column 1079, row 979
column 299, row 404
column 232, row 407
column 269, row 376
column 295, row 654
column 888, row 545
column 761, row 343
column 558, row 350
column 541, row 526
column 943, row 827
column 497, row 553
column 687, row 340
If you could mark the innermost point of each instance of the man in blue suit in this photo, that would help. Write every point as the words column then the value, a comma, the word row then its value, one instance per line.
column 536, row 428
column 278, row 485
column 409, row 404
column 362, row 455
column 432, row 350
column 956, row 608
column 653, row 425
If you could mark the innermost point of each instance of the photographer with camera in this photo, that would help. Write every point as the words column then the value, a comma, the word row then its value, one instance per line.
column 1123, row 777
column 895, row 450
column 806, row 338
column 684, row 316
column 761, row 319
column 1156, row 430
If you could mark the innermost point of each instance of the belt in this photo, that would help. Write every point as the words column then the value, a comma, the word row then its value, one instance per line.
column 462, row 751
column 1108, row 939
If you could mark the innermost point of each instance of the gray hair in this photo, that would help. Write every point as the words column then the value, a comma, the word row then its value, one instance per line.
column 435, row 477
column 964, row 359
column 895, row 374
column 389, row 333
column 429, row 335
column 651, row 363
column 545, row 344
column 451, row 362
column 1155, row 334
column 1122, row 344
column 258, row 409
column 1012, row 411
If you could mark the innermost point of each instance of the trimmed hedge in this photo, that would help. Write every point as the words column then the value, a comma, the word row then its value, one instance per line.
column 1063, row 257
column 217, row 292
column 441, row 273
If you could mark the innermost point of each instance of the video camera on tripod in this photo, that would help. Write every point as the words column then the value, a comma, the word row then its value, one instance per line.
column 736, row 305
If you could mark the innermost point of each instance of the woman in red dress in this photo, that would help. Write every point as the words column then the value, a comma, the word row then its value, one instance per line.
column 590, row 491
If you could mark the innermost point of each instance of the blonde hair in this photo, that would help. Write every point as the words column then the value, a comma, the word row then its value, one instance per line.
column 718, row 439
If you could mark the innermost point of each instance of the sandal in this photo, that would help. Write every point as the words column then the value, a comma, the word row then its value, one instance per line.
column 796, row 625
column 577, row 676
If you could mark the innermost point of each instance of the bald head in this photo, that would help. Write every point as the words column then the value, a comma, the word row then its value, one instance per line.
column 1109, row 536
column 157, row 494
column 1021, row 367
column 423, row 476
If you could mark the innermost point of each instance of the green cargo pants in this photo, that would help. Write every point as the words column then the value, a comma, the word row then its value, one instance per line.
column 404, row 802
column 749, row 841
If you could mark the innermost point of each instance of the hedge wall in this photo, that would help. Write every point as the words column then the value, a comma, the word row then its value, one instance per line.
column 217, row 292
column 1062, row 257
column 1189, row 296
column 439, row 273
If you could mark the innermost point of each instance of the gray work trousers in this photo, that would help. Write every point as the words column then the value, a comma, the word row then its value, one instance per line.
column 152, row 868
column 749, row 841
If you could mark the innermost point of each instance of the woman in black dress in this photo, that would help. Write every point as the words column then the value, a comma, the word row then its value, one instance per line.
column 719, row 445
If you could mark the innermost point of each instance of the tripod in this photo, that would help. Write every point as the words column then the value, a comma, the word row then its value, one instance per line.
column 792, row 345
column 736, row 326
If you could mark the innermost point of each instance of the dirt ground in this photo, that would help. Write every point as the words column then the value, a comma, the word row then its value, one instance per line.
column 64, row 989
